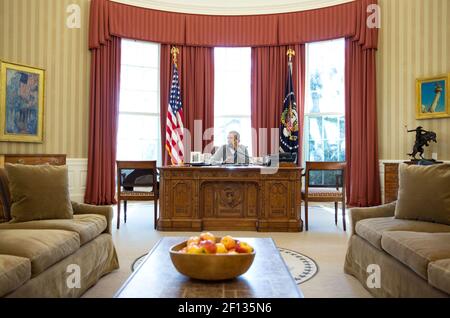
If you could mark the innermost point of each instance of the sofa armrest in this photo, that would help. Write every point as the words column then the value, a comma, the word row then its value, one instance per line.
column 358, row 214
column 105, row 210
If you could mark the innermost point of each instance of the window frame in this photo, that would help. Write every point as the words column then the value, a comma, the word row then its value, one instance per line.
column 141, row 114
column 308, row 115
column 248, row 117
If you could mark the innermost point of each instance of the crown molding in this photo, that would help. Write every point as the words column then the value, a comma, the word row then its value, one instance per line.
column 233, row 7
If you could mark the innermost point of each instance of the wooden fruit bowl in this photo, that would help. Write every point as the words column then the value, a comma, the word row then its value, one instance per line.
column 210, row 266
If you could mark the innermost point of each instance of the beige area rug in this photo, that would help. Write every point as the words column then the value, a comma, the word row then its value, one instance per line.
column 325, row 243
column 302, row 267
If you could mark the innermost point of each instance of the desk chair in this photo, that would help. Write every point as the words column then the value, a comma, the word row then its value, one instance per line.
column 330, row 190
column 137, row 181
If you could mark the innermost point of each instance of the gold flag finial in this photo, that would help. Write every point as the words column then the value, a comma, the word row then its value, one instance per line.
column 290, row 53
column 174, row 51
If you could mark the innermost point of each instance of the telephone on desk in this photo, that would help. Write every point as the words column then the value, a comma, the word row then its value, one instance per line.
column 281, row 157
column 199, row 159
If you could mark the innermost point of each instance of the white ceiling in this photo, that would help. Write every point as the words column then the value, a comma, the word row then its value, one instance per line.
column 233, row 7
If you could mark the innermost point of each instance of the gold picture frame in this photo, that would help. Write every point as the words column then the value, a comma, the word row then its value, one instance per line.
column 21, row 103
column 433, row 97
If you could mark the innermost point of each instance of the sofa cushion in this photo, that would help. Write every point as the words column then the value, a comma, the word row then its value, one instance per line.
column 14, row 271
column 42, row 247
column 372, row 229
column 88, row 226
column 39, row 192
column 439, row 274
column 416, row 250
column 424, row 193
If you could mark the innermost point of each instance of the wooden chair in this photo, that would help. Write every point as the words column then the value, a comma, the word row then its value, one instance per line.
column 136, row 174
column 325, row 192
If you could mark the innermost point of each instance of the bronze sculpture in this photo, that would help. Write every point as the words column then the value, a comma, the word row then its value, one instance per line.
column 423, row 138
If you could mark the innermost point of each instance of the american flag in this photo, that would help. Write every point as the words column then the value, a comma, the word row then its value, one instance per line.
column 174, row 127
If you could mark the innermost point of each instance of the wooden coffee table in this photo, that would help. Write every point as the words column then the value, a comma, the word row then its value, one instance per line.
column 156, row 277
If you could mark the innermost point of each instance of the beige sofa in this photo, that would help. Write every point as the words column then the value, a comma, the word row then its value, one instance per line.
column 414, row 256
column 43, row 258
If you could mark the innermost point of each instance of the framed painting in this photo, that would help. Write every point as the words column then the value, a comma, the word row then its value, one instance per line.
column 21, row 103
column 433, row 97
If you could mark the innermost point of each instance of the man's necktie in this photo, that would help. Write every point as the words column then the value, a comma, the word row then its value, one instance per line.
column 235, row 156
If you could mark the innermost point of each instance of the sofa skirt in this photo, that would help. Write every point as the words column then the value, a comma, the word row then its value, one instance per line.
column 396, row 280
column 89, row 263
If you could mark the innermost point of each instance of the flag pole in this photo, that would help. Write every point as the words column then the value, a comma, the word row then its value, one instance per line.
column 174, row 51
column 290, row 53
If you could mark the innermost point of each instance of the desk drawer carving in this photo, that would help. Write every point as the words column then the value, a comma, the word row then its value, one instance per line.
column 230, row 199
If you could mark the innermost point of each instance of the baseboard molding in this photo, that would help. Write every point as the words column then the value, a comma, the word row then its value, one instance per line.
column 77, row 178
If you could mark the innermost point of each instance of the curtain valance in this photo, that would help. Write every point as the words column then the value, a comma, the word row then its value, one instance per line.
column 108, row 18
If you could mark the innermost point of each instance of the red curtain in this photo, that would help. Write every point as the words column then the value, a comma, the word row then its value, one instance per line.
column 196, row 70
column 269, row 76
column 104, row 102
column 165, row 77
column 363, row 186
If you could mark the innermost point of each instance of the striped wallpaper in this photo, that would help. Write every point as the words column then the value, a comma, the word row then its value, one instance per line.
column 414, row 42
column 34, row 33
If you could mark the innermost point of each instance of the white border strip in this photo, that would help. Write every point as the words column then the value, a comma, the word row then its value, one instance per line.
column 77, row 178
column 233, row 7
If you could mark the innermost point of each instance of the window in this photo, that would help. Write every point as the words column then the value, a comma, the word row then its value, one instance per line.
column 139, row 135
column 232, row 83
column 324, row 134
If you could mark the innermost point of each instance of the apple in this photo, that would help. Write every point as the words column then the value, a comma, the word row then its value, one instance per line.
column 228, row 242
column 209, row 246
column 195, row 249
column 243, row 247
column 206, row 236
column 193, row 240
column 221, row 249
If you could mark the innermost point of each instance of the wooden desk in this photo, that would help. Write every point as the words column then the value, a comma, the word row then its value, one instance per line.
column 156, row 277
column 230, row 198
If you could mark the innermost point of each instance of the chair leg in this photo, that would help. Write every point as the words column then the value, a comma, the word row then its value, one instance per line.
column 335, row 212
column 155, row 203
column 125, row 211
column 343, row 215
column 306, row 215
column 118, row 214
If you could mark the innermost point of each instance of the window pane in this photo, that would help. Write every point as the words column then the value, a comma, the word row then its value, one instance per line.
column 315, row 151
column 138, row 53
column 138, row 78
column 324, row 134
column 331, row 151
column 139, row 101
column 326, row 71
column 232, row 81
column 315, row 128
column 139, row 136
column 232, row 92
column 331, row 128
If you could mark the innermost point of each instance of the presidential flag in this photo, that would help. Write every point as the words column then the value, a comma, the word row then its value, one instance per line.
column 289, row 117
column 174, row 124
